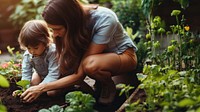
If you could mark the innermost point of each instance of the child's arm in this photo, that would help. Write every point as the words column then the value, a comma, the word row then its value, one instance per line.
column 27, row 69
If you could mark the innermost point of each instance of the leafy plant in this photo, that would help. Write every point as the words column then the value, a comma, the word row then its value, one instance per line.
column 4, row 82
column 76, row 102
column 26, row 10
column 124, row 89
column 148, row 6
column 79, row 102
column 23, row 85
column 169, row 90
column 128, row 12
column 171, row 79
column 54, row 108
column 12, row 69
column 182, row 51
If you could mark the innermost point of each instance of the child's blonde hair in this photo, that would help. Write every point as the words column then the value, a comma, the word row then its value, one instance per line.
column 34, row 32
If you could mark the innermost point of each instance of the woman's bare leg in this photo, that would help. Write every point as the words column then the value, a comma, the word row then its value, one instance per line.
column 102, row 67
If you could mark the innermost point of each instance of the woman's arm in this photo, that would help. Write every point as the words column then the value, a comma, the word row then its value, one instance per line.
column 33, row 92
column 73, row 79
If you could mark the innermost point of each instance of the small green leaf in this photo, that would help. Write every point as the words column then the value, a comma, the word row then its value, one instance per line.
column 79, row 102
column 56, row 108
column 23, row 83
column 120, row 86
column 186, row 102
column 3, row 108
column 198, row 109
column 44, row 110
column 175, row 12
column 4, row 82
column 141, row 76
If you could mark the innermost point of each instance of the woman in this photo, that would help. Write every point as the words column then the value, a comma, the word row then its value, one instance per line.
column 89, row 41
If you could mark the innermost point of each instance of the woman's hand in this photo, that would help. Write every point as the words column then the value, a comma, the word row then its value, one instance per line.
column 31, row 93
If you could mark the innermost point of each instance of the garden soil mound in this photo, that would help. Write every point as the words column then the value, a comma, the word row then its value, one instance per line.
column 15, row 105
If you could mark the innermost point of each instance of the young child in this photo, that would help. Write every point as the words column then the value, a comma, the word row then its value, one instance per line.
column 39, row 63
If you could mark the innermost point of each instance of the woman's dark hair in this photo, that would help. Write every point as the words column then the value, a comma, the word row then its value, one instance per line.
column 74, row 44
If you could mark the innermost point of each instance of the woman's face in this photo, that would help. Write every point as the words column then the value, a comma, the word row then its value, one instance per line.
column 58, row 30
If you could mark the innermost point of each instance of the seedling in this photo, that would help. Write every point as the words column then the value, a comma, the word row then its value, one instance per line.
column 79, row 102
column 76, row 101
column 23, row 85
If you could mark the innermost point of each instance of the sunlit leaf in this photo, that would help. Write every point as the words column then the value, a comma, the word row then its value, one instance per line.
column 3, row 108
column 4, row 82
column 23, row 83
column 186, row 102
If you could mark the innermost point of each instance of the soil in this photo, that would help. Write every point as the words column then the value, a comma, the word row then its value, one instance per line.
column 15, row 105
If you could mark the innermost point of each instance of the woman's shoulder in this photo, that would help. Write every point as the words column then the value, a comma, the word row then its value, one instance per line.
column 103, row 16
column 101, row 11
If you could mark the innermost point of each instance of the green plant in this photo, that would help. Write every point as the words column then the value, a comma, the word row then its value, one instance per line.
column 171, row 80
column 26, row 10
column 54, row 108
column 128, row 12
column 148, row 7
column 169, row 90
column 23, row 85
column 4, row 82
column 12, row 69
column 183, row 49
column 124, row 89
column 79, row 102
column 76, row 102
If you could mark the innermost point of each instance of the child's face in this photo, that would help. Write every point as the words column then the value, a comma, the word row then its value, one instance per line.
column 58, row 30
column 36, row 50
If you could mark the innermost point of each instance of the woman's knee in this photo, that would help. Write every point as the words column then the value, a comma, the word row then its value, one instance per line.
column 90, row 65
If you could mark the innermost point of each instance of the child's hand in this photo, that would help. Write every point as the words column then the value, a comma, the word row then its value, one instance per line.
column 17, row 93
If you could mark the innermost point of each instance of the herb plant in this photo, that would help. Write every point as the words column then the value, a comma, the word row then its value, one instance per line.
column 76, row 102
column 124, row 89
column 54, row 108
column 171, row 77
column 23, row 85
column 79, row 102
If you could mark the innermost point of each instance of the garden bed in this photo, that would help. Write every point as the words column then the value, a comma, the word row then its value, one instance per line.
column 138, row 94
column 15, row 105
